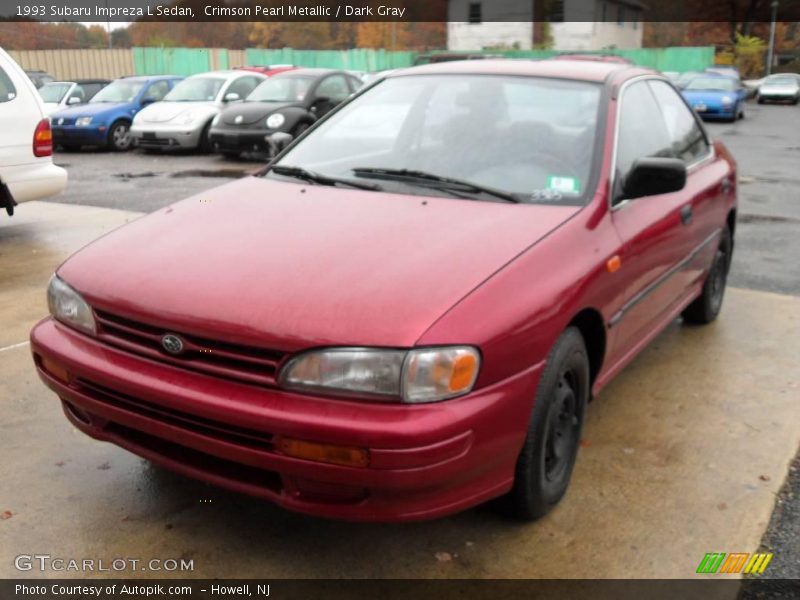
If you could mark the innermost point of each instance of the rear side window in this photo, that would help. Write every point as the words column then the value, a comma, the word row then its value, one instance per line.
column 7, row 89
column 642, row 131
column 688, row 141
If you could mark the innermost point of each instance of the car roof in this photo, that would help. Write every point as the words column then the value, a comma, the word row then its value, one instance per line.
column 579, row 70
column 224, row 74
column 307, row 71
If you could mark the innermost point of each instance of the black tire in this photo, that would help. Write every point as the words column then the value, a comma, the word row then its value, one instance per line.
column 69, row 148
column 761, row 101
column 204, row 143
column 707, row 305
column 544, row 466
column 119, row 137
column 299, row 129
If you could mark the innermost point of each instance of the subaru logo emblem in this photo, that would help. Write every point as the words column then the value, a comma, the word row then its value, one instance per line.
column 61, row 121
column 238, row 119
column 172, row 343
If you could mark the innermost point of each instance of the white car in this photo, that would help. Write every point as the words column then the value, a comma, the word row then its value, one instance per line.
column 58, row 95
column 783, row 87
column 183, row 118
column 27, row 171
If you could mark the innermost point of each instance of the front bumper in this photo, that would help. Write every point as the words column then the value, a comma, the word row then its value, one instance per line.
column 155, row 135
column 237, row 140
column 778, row 97
column 426, row 461
column 71, row 135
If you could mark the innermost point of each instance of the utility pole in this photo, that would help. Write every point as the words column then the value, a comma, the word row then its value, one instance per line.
column 771, row 51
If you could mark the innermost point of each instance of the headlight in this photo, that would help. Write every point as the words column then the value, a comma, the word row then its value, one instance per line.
column 83, row 121
column 67, row 306
column 276, row 120
column 727, row 99
column 415, row 376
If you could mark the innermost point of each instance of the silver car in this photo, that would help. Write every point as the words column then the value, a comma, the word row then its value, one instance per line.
column 780, row 88
column 182, row 119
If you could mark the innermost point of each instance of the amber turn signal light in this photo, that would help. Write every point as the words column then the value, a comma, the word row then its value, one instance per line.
column 349, row 456
column 55, row 369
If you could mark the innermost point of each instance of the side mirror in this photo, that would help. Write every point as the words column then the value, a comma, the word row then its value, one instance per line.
column 278, row 141
column 319, row 103
column 73, row 100
column 148, row 100
column 653, row 176
column 232, row 97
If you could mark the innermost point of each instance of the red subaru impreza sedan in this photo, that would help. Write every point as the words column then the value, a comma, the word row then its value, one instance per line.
column 406, row 313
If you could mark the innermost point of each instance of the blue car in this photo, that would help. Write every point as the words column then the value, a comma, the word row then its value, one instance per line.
column 106, row 119
column 716, row 96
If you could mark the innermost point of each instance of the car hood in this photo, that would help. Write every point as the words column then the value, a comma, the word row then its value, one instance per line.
column 289, row 266
column 251, row 112
column 92, row 109
column 161, row 112
column 770, row 88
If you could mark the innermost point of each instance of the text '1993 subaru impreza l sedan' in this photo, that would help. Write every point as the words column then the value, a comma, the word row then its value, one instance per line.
column 406, row 313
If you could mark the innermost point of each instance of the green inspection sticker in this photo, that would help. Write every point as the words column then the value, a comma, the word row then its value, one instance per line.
column 566, row 185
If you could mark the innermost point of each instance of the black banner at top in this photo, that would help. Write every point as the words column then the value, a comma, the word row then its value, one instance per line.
column 470, row 11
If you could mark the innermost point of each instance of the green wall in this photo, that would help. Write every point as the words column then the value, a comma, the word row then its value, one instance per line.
column 187, row 61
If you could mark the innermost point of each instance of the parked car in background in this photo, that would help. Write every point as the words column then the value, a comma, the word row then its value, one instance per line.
column 268, row 70
column 438, row 57
column 715, row 97
column 39, row 78
column 27, row 171
column 403, row 326
column 780, row 88
column 751, row 86
column 58, row 95
column 289, row 103
column 726, row 70
column 106, row 119
column 183, row 119
column 593, row 57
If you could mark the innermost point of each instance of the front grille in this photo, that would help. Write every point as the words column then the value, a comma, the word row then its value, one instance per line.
column 221, row 359
column 217, row 430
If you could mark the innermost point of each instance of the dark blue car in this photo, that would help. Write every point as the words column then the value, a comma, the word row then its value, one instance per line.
column 716, row 97
column 106, row 119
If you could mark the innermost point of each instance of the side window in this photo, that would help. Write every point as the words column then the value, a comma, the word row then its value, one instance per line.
column 7, row 89
column 90, row 89
column 334, row 87
column 642, row 132
column 243, row 86
column 355, row 83
column 688, row 141
column 157, row 90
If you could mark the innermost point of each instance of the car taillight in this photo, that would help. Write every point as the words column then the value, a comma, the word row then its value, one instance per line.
column 43, row 139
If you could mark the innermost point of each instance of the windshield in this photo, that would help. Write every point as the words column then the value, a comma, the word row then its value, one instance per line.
column 711, row 83
column 118, row 91
column 54, row 92
column 281, row 89
column 529, row 137
column 195, row 89
column 780, row 81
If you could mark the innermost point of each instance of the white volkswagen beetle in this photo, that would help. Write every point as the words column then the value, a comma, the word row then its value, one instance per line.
column 182, row 119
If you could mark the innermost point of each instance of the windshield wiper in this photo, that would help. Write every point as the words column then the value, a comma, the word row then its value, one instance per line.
column 313, row 177
column 434, row 181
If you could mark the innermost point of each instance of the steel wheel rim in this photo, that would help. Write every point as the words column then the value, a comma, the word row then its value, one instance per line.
column 561, row 437
column 121, row 136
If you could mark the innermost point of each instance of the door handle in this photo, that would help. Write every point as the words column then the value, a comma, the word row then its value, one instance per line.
column 686, row 214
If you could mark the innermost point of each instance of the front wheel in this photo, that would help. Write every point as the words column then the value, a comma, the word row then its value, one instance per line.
column 707, row 305
column 119, row 136
column 544, row 466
